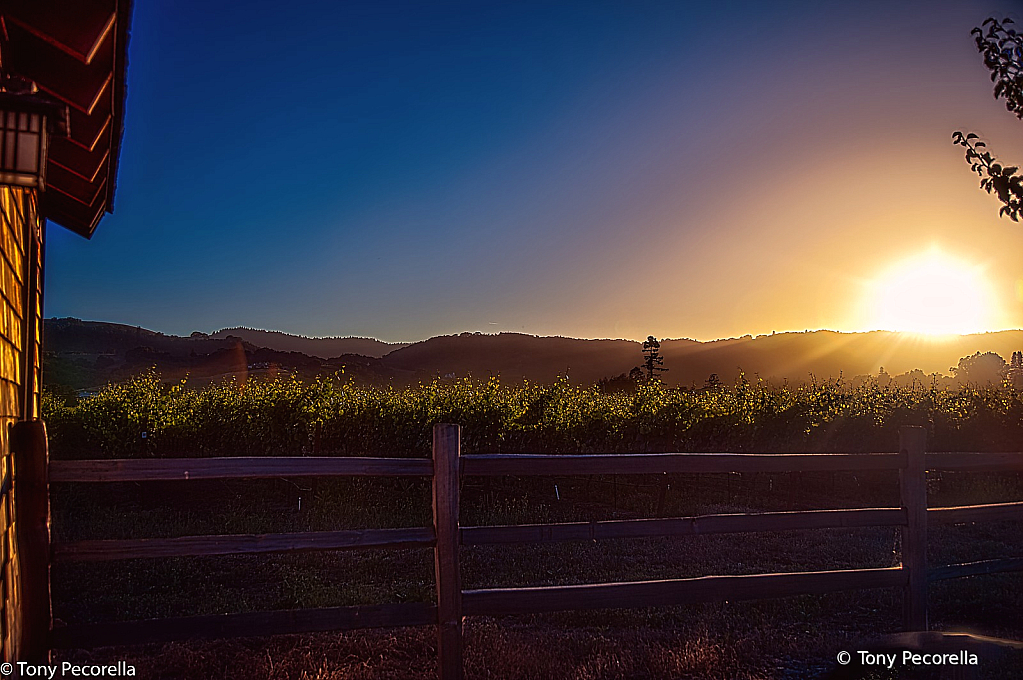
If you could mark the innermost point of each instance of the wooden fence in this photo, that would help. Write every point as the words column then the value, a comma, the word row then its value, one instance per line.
column 446, row 537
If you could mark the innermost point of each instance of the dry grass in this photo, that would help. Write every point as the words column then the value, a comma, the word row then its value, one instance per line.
column 743, row 641
column 528, row 648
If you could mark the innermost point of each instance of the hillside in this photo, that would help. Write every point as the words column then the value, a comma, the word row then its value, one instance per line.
column 85, row 354
column 783, row 356
column 516, row 356
column 827, row 354
column 322, row 348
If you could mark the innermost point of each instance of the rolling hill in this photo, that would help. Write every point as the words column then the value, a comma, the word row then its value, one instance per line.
column 86, row 353
column 783, row 356
column 323, row 348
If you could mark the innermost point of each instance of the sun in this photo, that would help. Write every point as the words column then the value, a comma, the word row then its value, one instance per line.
column 933, row 294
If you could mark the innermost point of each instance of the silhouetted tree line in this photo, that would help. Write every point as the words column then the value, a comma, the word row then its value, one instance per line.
column 980, row 369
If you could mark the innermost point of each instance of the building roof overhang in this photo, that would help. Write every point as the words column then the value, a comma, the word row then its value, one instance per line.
column 76, row 53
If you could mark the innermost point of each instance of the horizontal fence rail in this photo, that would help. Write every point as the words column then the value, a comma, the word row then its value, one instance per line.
column 976, row 462
column 502, row 601
column 174, row 469
column 684, row 526
column 170, row 469
column 975, row 513
column 241, row 544
column 446, row 537
column 658, row 463
column 981, row 568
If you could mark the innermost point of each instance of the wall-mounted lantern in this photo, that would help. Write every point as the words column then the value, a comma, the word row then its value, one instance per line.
column 26, row 122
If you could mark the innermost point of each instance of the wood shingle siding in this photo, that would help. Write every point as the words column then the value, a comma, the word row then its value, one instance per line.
column 20, row 288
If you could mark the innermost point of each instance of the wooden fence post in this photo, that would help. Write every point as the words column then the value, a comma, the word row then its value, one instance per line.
column 32, row 538
column 447, row 569
column 913, row 488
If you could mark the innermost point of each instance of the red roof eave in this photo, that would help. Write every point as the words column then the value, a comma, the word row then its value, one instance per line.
column 77, row 54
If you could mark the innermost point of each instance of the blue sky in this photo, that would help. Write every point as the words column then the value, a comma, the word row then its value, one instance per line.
column 404, row 170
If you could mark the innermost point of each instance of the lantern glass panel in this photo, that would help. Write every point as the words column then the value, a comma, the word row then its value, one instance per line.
column 22, row 151
column 8, row 147
column 28, row 153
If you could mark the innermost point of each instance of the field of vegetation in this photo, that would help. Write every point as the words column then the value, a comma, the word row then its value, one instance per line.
column 790, row 638
column 144, row 417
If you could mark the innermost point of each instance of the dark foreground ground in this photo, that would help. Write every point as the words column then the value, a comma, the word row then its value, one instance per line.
column 798, row 638
column 742, row 642
column 795, row 637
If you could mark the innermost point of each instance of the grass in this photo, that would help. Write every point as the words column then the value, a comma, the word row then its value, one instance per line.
column 788, row 638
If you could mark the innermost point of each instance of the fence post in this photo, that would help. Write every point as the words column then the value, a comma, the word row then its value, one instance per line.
column 447, row 570
column 913, row 488
column 32, row 538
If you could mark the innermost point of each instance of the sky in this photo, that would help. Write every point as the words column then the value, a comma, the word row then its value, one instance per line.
column 402, row 170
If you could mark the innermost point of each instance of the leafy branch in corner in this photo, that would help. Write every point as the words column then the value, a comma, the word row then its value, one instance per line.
column 1002, row 48
column 994, row 177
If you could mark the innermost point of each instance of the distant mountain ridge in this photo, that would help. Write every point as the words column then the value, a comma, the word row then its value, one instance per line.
column 95, row 352
column 796, row 357
column 322, row 348
column 515, row 356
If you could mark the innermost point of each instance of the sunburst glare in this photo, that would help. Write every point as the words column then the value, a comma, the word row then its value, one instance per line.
column 934, row 294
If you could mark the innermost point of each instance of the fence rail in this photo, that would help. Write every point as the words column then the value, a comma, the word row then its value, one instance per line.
column 535, row 600
column 684, row 526
column 975, row 569
column 173, row 469
column 447, row 468
column 658, row 463
column 975, row 513
column 241, row 544
column 522, row 465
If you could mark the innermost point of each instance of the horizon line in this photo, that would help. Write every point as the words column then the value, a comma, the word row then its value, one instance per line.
column 937, row 337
